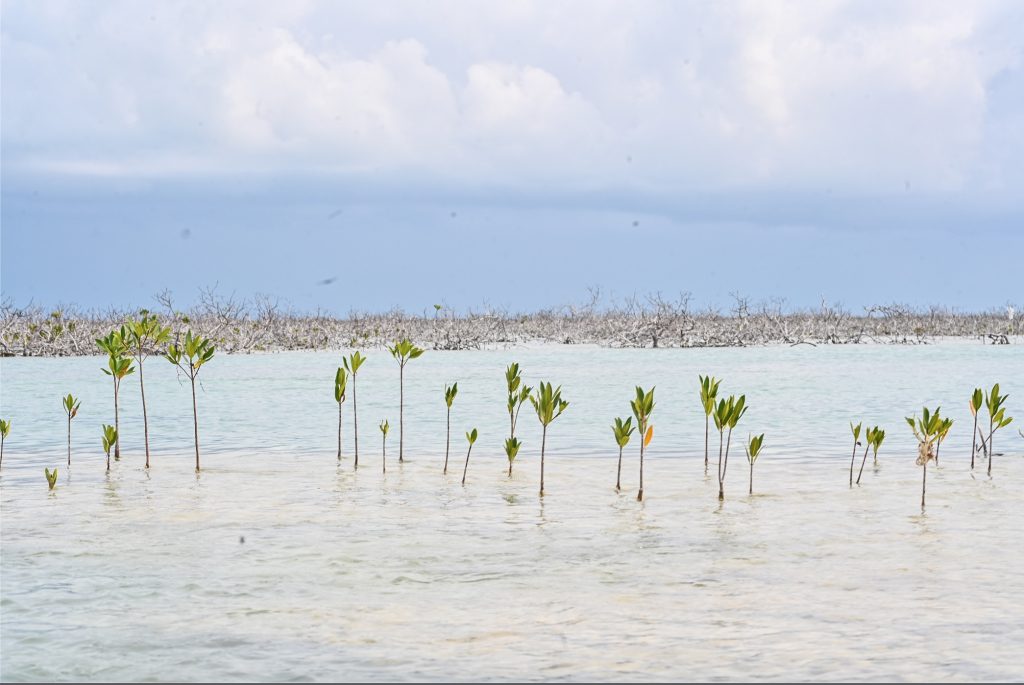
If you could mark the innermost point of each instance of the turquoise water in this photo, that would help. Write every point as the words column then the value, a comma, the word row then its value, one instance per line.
column 349, row 574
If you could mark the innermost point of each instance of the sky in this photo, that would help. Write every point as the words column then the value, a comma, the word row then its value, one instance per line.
column 367, row 155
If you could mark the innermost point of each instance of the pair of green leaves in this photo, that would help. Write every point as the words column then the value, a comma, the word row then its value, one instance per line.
column 71, row 405
column 5, row 427
column 622, row 431
column 51, row 477
column 471, row 436
column 548, row 403
column 450, row 391
column 340, row 385
column 754, row 447
column 109, row 438
column 384, row 427
column 353, row 362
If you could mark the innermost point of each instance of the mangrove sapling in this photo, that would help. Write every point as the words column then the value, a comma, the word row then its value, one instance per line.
column 119, row 365
column 352, row 364
column 926, row 429
column 753, row 450
column 940, row 436
column 512, row 446
column 51, row 477
column 340, row 383
column 996, row 419
column 856, row 443
column 71, row 405
column 721, row 418
column 708, row 395
column 874, row 438
column 109, row 440
column 471, row 438
column 643, row 406
column 977, row 398
column 622, row 430
column 450, row 391
column 739, row 408
column 189, row 358
column 384, row 428
column 143, row 336
column 5, row 430
column 403, row 350
column 549, row 405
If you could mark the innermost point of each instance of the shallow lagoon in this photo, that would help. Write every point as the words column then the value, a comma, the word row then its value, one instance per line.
column 353, row 575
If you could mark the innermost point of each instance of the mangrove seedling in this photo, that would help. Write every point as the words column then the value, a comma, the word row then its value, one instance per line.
column 340, row 383
column 977, row 399
column 352, row 364
column 119, row 365
column 622, row 430
column 734, row 410
column 996, row 419
column 512, row 446
column 926, row 429
column 71, row 405
column 549, row 405
column 753, row 450
column 51, row 477
column 109, row 440
column 403, row 350
column 874, row 438
column 450, row 391
column 856, row 443
column 189, row 358
column 940, row 436
column 471, row 438
column 384, row 428
column 143, row 336
column 708, row 395
column 5, row 430
column 643, row 406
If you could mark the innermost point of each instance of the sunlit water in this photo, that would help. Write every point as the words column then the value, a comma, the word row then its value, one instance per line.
column 356, row 575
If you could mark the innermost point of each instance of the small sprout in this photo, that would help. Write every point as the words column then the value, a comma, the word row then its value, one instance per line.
column 512, row 446
column 753, row 451
column 856, row 443
column 518, row 394
column 352, row 364
column 874, row 438
column 727, row 414
column 997, row 418
column 549, row 405
column 51, row 477
column 71, row 405
column 708, row 395
column 5, row 430
column 403, row 350
column 109, row 440
column 340, row 384
column 643, row 406
column 384, row 427
column 450, row 391
column 470, row 438
column 622, row 430
column 975, row 404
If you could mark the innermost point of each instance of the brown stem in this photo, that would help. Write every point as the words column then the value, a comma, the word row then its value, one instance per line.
column 384, row 454
column 618, row 477
column 509, row 468
column 401, row 413
column 924, row 477
column 862, row 461
column 117, row 424
column 69, row 438
column 447, row 440
column 339, row 431
column 145, row 419
column 974, row 440
column 721, row 444
column 355, row 420
column 852, row 457
column 707, row 421
column 543, row 443
column 991, row 449
column 751, row 492
column 466, row 467
column 640, row 493
column 195, row 420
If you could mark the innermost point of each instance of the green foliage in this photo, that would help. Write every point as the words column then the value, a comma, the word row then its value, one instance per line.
column 977, row 400
column 548, row 403
column 642, row 406
column 385, row 427
column 109, row 438
column 140, row 335
column 729, row 411
column 71, row 405
column 996, row 411
column 471, row 436
column 754, row 447
column 512, row 446
column 353, row 362
column 927, row 429
column 622, row 431
column 51, row 477
column 739, row 408
column 5, row 427
column 192, row 354
column 340, row 383
column 708, row 393
column 518, row 394
column 856, row 431
column 450, row 391
column 876, row 436
column 403, row 350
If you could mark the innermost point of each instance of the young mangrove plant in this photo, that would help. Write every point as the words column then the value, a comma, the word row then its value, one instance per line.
column 926, row 429
column 340, row 383
column 708, row 395
column 352, row 364
column 549, row 405
column 874, row 438
column 622, row 430
column 51, row 477
column 997, row 419
column 71, row 405
column 143, row 336
column 471, row 438
column 753, row 450
column 977, row 399
column 119, row 365
column 940, row 436
column 856, row 443
column 189, row 358
column 450, row 391
column 384, row 428
column 5, row 430
column 643, row 406
column 109, row 440
column 518, row 394
column 403, row 350
column 728, row 413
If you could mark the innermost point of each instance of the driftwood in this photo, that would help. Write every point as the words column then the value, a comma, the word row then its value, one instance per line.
column 263, row 324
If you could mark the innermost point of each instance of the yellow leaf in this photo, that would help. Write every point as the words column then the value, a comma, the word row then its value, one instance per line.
column 650, row 434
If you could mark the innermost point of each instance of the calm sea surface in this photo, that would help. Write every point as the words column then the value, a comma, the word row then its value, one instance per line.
column 354, row 575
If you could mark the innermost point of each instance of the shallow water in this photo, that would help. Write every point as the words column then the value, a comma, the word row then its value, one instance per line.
column 356, row 575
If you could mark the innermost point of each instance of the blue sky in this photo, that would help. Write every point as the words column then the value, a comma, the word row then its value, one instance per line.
column 514, row 153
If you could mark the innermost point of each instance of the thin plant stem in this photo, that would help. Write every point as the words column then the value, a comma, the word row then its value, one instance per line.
column 466, row 467
column 401, row 413
column 355, row 421
column 974, row 439
column 862, row 462
column 145, row 419
column 543, row 443
column 448, row 440
column 195, row 421
column 640, row 492
column 618, row 477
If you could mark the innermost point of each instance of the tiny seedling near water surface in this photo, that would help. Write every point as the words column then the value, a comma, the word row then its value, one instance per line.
column 874, row 438
column 352, row 364
column 977, row 400
column 728, row 413
column 340, row 383
column 856, row 443
column 549, row 405
column 403, row 350
column 119, row 365
column 71, row 405
column 471, row 438
column 51, row 477
column 450, row 391
column 926, row 430
column 643, row 406
column 189, row 358
column 943, row 431
column 109, row 440
column 996, row 419
column 622, row 430
column 5, row 430
column 708, row 395
column 142, row 336
column 512, row 446
column 753, row 450
column 384, row 428
column 518, row 394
